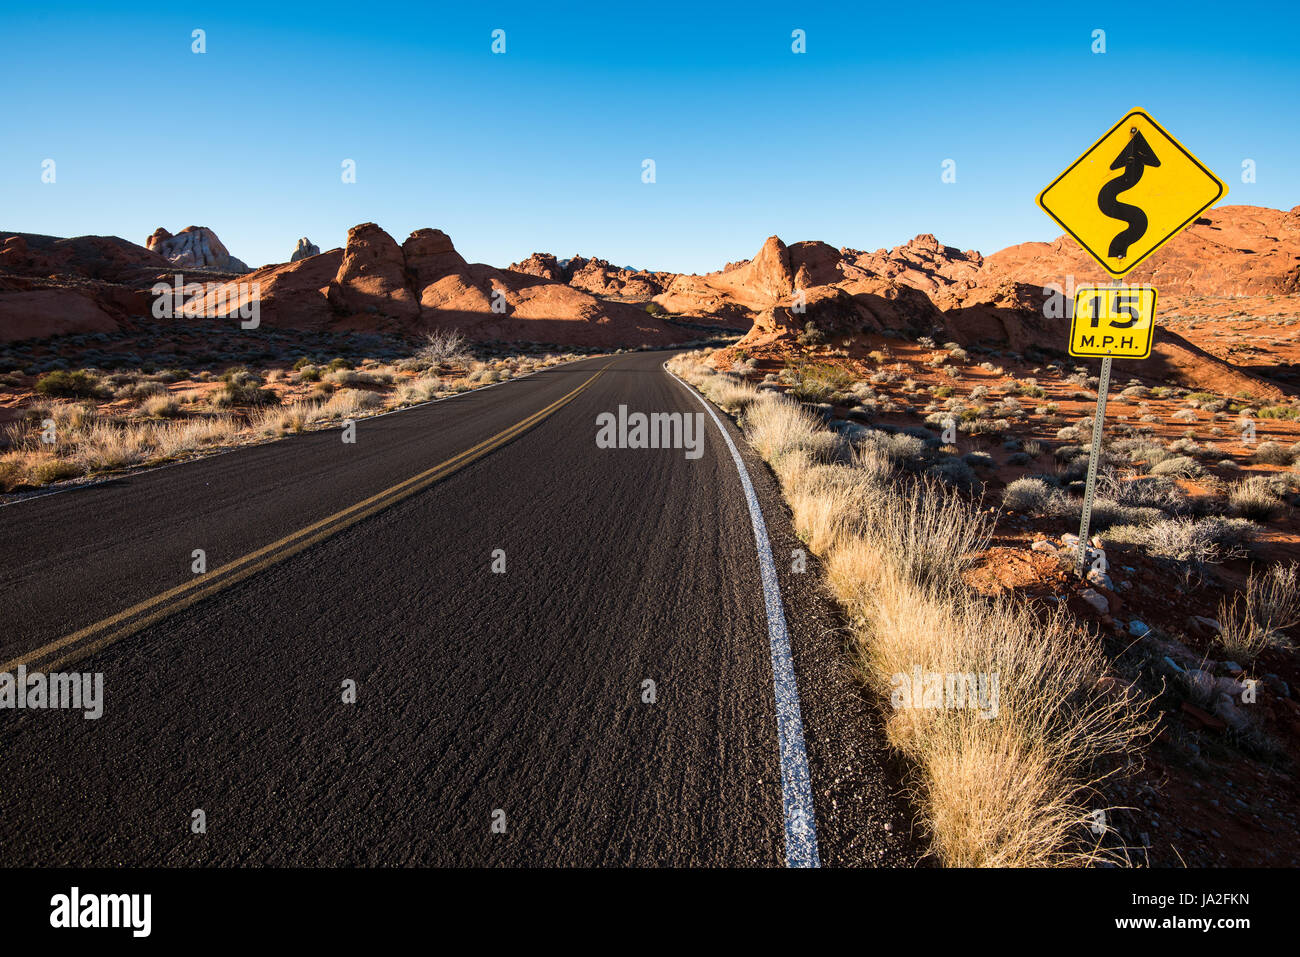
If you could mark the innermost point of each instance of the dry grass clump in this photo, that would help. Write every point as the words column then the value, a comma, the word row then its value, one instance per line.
column 86, row 445
column 732, row 395
column 1255, row 500
column 1255, row 620
column 1012, row 789
column 161, row 406
column 417, row 390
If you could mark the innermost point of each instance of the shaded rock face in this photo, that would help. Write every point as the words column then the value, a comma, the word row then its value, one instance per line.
column 429, row 256
column 872, row 308
column 195, row 247
column 39, row 313
column 371, row 278
column 303, row 250
column 51, row 286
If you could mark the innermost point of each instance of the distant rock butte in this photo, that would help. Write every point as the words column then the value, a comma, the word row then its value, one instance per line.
column 195, row 247
column 304, row 249
column 375, row 284
column 596, row 276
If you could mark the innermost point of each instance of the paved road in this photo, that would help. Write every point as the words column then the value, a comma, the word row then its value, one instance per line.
column 482, row 698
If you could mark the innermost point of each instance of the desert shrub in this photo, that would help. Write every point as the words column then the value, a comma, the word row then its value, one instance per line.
column 1272, row 453
column 1068, row 453
column 1280, row 412
column 1029, row 496
column 140, row 390
column 70, row 385
column 1194, row 541
column 444, row 347
column 1185, row 447
column 1107, row 513
column 731, row 395
column 1138, row 450
column 954, row 472
column 360, row 378
column 817, row 382
column 339, row 363
column 1150, row 492
column 899, row 447
column 354, row 400
column 1180, row 466
column 242, row 387
column 811, row 335
column 421, row 389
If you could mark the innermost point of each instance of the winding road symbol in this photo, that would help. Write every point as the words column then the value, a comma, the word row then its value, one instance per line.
column 1164, row 189
column 1136, row 156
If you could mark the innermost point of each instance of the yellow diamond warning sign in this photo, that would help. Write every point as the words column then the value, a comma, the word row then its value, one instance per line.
column 1117, row 321
column 1135, row 189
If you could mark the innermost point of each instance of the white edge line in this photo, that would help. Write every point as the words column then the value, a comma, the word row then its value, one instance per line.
column 796, row 784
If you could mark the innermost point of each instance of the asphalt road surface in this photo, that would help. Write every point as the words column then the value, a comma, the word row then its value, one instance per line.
column 500, row 718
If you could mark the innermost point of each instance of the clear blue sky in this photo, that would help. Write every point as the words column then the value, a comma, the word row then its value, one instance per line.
column 541, row 148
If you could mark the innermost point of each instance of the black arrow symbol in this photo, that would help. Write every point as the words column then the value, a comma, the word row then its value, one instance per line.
column 1134, row 157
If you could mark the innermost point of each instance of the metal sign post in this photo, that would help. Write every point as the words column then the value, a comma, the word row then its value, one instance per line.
column 1090, row 489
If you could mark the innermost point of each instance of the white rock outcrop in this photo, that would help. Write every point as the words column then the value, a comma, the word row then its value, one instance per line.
column 196, row 247
column 305, row 250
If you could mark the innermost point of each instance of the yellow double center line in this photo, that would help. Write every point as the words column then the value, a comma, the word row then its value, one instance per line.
column 104, row 633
